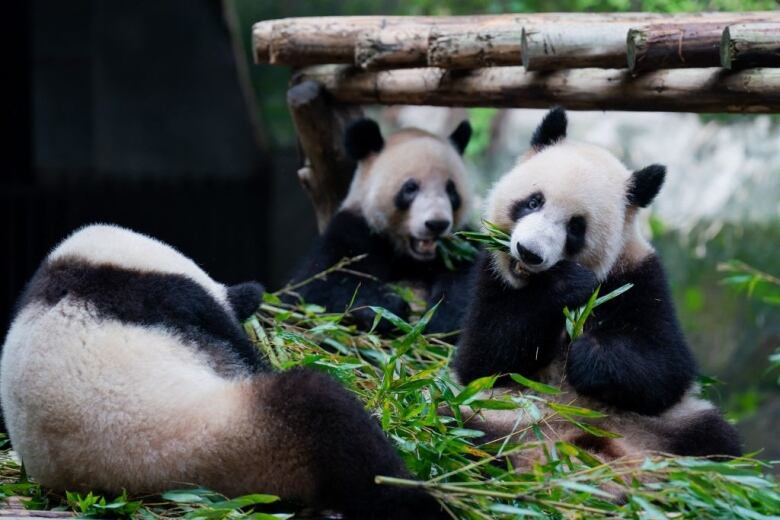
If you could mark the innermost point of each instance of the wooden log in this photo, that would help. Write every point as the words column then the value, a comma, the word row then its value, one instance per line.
column 750, row 45
column 665, row 46
column 314, row 40
column 392, row 47
column 475, row 49
column 676, row 90
column 603, row 44
column 494, row 41
column 567, row 46
column 320, row 124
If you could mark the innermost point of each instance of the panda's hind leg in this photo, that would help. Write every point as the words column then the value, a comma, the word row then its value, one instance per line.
column 704, row 434
column 342, row 448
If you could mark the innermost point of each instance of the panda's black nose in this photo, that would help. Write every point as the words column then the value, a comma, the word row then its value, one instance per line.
column 437, row 226
column 528, row 256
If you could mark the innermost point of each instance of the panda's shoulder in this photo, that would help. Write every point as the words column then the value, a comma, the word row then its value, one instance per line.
column 645, row 273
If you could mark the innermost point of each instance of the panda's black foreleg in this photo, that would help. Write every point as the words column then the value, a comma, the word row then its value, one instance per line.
column 518, row 330
column 245, row 298
column 349, row 237
column 633, row 354
column 630, row 372
column 452, row 291
column 343, row 449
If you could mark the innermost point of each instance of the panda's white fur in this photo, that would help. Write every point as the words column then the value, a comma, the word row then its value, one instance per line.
column 97, row 398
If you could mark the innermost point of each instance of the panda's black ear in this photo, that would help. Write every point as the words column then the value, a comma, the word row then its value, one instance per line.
column 461, row 136
column 645, row 185
column 551, row 130
column 362, row 138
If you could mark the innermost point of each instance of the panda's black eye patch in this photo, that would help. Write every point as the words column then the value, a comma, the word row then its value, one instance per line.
column 575, row 234
column 452, row 193
column 526, row 206
column 406, row 195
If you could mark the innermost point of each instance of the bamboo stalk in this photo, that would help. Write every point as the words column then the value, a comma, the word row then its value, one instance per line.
column 750, row 45
column 316, row 40
column 665, row 46
column 320, row 125
column 676, row 90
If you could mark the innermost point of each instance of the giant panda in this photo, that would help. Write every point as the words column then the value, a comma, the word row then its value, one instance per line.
column 126, row 368
column 406, row 193
column 571, row 210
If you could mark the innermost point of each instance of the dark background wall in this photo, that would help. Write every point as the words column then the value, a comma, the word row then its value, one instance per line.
column 136, row 113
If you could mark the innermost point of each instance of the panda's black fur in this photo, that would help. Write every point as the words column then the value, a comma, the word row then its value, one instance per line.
column 632, row 355
column 153, row 299
column 349, row 234
column 632, row 360
column 126, row 368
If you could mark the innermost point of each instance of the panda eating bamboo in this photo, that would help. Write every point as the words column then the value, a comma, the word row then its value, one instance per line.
column 571, row 210
column 407, row 192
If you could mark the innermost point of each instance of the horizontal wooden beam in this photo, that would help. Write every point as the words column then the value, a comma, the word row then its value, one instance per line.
column 677, row 90
column 750, row 45
column 461, row 42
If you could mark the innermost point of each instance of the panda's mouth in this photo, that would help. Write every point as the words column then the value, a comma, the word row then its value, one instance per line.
column 517, row 269
column 423, row 248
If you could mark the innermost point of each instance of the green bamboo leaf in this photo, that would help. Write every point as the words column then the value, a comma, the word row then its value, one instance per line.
column 534, row 385
column 473, row 388
column 576, row 411
column 381, row 312
column 245, row 501
column 466, row 432
column 593, row 430
column 494, row 404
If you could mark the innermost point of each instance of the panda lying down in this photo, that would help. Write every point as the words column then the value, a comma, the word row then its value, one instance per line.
column 571, row 211
column 126, row 368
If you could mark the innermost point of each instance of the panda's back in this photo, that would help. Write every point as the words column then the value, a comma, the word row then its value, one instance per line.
column 108, row 366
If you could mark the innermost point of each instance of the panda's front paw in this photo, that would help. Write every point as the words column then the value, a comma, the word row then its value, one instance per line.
column 573, row 283
column 245, row 298
column 584, row 366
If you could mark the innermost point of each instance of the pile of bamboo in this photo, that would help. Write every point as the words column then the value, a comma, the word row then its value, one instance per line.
column 701, row 62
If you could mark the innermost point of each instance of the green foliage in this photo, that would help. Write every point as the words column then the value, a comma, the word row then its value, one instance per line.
column 759, row 284
column 751, row 281
column 454, row 249
column 493, row 237
column 481, row 120
column 96, row 506
column 405, row 383
column 199, row 503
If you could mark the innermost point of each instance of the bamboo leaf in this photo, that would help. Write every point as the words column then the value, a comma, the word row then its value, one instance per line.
column 534, row 385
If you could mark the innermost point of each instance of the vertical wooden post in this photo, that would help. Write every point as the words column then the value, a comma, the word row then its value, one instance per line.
column 320, row 125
